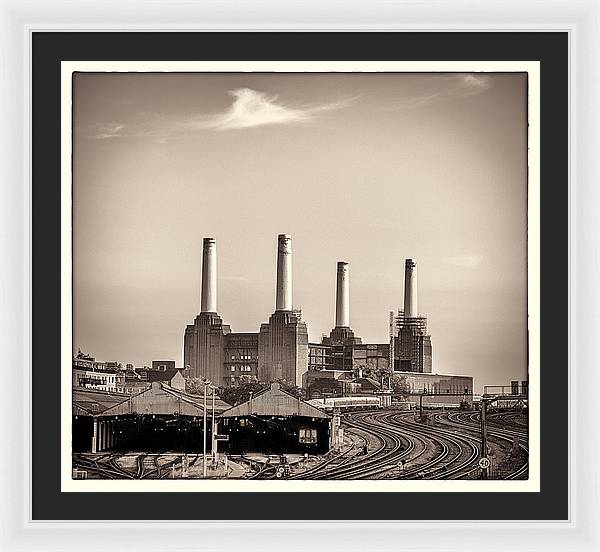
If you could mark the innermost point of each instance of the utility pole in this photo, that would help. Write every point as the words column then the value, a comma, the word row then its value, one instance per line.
column 483, row 453
column 204, row 432
column 392, row 352
column 213, row 442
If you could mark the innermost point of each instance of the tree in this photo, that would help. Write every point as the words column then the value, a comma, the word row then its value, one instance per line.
column 240, row 393
column 400, row 385
column 292, row 389
column 194, row 386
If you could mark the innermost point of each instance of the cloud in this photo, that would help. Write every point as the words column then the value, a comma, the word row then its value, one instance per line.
column 465, row 261
column 103, row 131
column 251, row 108
column 448, row 88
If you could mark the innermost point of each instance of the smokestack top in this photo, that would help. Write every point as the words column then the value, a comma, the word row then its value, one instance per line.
column 283, row 299
column 208, row 296
column 342, row 296
column 411, row 307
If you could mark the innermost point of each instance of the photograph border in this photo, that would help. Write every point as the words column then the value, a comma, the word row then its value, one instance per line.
column 531, row 68
column 578, row 19
column 51, row 49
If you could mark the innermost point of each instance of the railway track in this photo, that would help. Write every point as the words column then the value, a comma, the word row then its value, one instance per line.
column 449, row 449
column 396, row 441
column 391, row 448
column 147, row 466
column 497, row 429
column 336, row 461
column 459, row 452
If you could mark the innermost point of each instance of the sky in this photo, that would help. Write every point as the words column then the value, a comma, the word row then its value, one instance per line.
column 366, row 168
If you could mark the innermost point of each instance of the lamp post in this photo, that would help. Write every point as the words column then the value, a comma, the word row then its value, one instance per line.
column 206, row 383
column 213, row 442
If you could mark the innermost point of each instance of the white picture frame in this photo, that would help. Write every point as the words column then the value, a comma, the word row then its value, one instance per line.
column 19, row 19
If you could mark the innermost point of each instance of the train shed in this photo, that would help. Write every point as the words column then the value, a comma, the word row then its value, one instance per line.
column 275, row 422
column 160, row 418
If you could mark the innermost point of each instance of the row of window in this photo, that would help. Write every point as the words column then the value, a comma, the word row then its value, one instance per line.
column 244, row 368
column 307, row 436
column 242, row 357
column 95, row 380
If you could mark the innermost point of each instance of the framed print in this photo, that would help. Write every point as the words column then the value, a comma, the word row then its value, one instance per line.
column 279, row 274
column 343, row 413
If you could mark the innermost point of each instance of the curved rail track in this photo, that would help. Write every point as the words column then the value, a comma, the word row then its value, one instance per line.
column 398, row 446
column 447, row 449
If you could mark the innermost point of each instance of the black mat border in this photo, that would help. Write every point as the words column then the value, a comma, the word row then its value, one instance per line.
column 50, row 48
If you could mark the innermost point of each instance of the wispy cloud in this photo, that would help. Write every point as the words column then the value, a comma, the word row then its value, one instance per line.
column 107, row 130
column 447, row 88
column 249, row 109
column 465, row 261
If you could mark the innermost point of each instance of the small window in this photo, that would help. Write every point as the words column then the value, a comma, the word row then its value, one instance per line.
column 233, row 368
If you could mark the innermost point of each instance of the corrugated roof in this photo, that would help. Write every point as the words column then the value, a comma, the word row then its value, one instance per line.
column 275, row 402
column 162, row 400
column 92, row 402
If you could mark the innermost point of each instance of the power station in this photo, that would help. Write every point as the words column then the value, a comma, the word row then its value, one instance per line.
column 280, row 350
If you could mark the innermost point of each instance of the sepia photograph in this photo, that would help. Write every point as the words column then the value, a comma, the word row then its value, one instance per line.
column 301, row 276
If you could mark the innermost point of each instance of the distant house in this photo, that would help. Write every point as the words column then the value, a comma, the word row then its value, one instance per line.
column 163, row 365
column 89, row 374
column 173, row 377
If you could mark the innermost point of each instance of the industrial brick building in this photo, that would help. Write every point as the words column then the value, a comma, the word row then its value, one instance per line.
column 409, row 348
column 279, row 351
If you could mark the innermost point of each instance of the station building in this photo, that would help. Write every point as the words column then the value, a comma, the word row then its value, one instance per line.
column 275, row 421
column 157, row 419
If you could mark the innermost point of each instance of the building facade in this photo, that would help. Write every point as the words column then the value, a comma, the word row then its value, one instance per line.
column 280, row 350
column 88, row 373
column 277, row 352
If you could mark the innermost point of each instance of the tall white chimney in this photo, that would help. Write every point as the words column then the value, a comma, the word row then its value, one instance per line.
column 208, row 302
column 410, row 289
column 342, row 296
column 284, row 273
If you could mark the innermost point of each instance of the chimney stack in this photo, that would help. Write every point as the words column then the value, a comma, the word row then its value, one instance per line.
column 410, row 289
column 342, row 297
column 208, row 301
column 284, row 273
